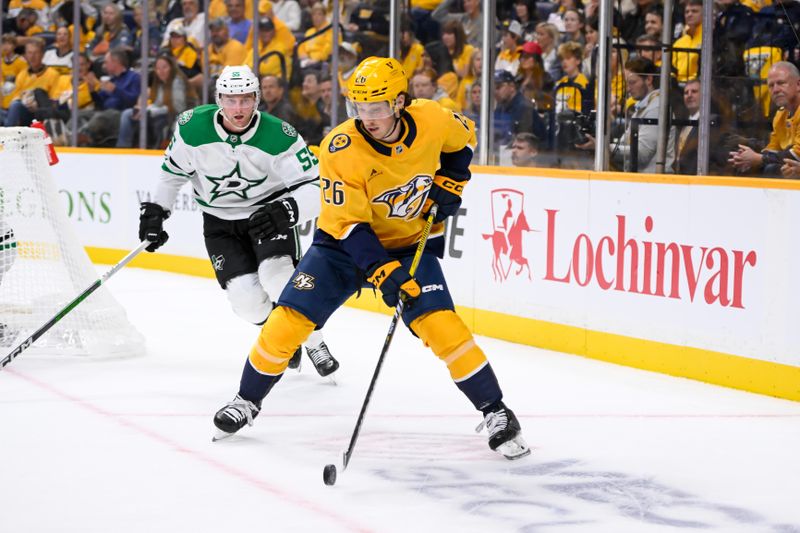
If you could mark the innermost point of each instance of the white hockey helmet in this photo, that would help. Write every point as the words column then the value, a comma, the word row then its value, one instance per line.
column 238, row 79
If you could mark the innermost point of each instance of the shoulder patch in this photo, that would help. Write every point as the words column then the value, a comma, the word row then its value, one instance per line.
column 288, row 129
column 339, row 142
column 185, row 117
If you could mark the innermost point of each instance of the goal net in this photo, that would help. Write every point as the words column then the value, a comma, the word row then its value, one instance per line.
column 43, row 266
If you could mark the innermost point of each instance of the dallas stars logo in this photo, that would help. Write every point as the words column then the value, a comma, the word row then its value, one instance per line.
column 232, row 183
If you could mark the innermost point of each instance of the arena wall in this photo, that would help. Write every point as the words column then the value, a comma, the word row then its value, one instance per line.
column 689, row 276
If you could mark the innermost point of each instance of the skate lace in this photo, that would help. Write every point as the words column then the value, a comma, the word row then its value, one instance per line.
column 319, row 355
column 239, row 409
column 494, row 422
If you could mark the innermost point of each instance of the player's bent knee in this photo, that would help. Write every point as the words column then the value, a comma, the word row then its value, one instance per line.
column 283, row 332
column 248, row 299
column 451, row 341
column 274, row 273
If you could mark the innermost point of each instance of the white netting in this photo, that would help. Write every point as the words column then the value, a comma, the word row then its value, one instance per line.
column 43, row 266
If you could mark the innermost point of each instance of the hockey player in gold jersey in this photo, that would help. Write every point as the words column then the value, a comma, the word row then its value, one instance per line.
column 380, row 174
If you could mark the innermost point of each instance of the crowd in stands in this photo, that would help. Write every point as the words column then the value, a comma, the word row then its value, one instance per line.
column 544, row 69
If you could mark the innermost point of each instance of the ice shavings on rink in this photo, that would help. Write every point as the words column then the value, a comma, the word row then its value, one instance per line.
column 125, row 445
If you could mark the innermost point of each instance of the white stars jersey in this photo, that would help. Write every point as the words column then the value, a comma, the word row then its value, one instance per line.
column 233, row 175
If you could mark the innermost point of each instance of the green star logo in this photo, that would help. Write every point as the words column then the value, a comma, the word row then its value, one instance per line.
column 233, row 183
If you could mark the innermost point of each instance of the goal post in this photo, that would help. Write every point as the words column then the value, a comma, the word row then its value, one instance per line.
column 43, row 265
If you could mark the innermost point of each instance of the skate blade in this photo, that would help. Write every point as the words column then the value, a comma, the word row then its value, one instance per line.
column 331, row 379
column 514, row 449
column 221, row 435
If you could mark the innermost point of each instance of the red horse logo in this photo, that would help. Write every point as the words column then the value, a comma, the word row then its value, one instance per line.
column 508, row 219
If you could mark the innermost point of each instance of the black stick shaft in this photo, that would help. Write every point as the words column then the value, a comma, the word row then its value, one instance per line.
column 71, row 305
column 388, row 341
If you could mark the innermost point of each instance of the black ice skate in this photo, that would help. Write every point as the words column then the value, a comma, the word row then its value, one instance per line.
column 505, row 435
column 323, row 360
column 296, row 359
column 234, row 416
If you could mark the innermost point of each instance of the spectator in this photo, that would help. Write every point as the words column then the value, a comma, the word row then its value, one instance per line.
column 33, row 86
column 23, row 26
column 437, row 58
column 547, row 37
column 590, row 50
column 525, row 13
column 411, row 51
column 524, row 149
column 423, row 85
column 783, row 81
column 649, row 47
column 472, row 76
column 185, row 55
column 326, row 109
column 87, row 82
column 316, row 49
column 455, row 40
column 535, row 84
column 654, row 22
column 472, row 109
column 642, row 82
column 222, row 50
column 59, row 57
column 274, row 101
column 685, row 64
column 471, row 19
column 513, row 113
column 572, row 90
column 288, row 12
column 348, row 61
column 307, row 104
column 574, row 27
column 11, row 64
column 111, row 34
column 41, row 7
column 427, row 29
column 508, row 58
column 369, row 20
column 192, row 21
column 153, row 31
column 686, row 149
column 170, row 94
column 238, row 24
column 276, row 48
column 633, row 23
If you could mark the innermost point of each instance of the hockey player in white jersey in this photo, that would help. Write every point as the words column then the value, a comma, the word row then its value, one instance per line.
column 255, row 179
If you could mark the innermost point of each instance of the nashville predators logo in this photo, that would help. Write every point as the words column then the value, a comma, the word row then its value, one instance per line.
column 339, row 142
column 303, row 281
column 407, row 200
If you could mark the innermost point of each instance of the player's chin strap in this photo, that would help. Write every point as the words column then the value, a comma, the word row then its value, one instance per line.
column 391, row 131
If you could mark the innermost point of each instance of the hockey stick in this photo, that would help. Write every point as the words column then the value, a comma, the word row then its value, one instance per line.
column 329, row 473
column 72, row 305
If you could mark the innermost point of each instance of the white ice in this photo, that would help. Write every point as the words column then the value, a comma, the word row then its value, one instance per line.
column 125, row 445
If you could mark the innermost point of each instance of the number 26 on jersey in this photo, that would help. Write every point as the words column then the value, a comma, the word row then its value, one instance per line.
column 332, row 191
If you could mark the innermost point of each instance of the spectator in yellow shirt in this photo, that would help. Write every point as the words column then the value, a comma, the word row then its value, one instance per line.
column 183, row 51
column 11, row 64
column 316, row 49
column 269, row 44
column 423, row 85
column 685, row 64
column 222, row 51
column 411, row 50
column 508, row 58
column 460, row 51
column 36, row 76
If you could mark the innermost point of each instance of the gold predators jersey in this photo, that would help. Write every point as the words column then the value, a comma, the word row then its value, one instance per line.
column 385, row 185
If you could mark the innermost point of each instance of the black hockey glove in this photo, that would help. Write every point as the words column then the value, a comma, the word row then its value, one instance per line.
column 446, row 193
column 151, row 225
column 394, row 281
column 275, row 217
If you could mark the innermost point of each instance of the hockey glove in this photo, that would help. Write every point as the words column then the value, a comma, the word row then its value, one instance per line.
column 446, row 193
column 151, row 225
column 275, row 217
column 394, row 281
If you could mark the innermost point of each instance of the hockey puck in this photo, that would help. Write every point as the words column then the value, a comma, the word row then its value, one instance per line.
column 329, row 474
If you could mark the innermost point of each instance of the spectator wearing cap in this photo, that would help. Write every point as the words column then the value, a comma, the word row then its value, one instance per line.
column 472, row 76
column 271, row 50
column 534, row 83
column 548, row 38
column 508, row 58
column 471, row 19
column 513, row 113
column 424, row 85
column 185, row 54
column 316, row 49
column 524, row 149
column 454, row 38
column 525, row 13
column 348, row 61
column 411, row 50
column 192, row 21
column 222, row 50
column 238, row 24
column 572, row 90
column 574, row 27
column 274, row 100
